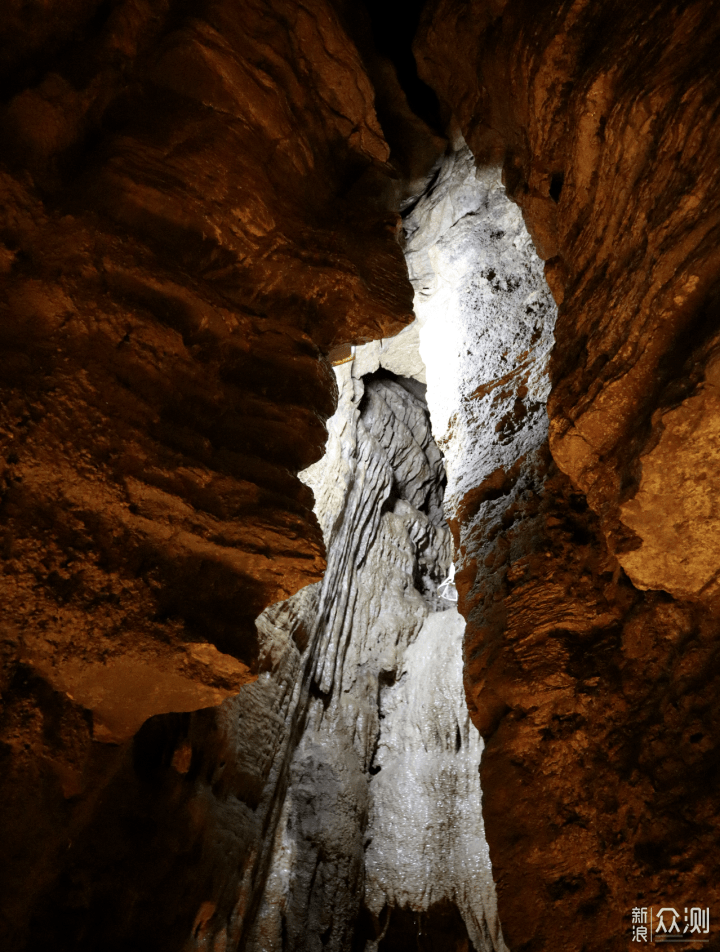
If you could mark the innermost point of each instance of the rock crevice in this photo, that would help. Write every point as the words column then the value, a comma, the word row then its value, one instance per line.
column 365, row 832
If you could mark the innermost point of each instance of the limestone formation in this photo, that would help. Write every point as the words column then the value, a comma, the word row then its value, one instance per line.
column 195, row 206
column 426, row 839
column 231, row 723
column 603, row 135
column 165, row 298
column 382, row 814
column 595, row 689
column 486, row 319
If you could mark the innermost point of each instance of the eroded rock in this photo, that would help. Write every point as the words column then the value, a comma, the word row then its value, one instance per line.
column 599, row 121
column 596, row 769
column 382, row 814
column 195, row 206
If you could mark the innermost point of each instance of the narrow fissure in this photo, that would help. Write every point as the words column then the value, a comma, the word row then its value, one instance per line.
column 394, row 26
column 382, row 815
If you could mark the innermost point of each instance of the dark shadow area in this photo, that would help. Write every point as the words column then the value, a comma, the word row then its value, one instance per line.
column 394, row 25
column 440, row 929
column 414, row 387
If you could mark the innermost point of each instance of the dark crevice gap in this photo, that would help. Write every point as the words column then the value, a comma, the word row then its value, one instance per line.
column 557, row 181
column 394, row 25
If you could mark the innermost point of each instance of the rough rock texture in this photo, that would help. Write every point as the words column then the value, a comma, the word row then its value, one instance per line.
column 427, row 847
column 196, row 203
column 485, row 317
column 596, row 690
column 194, row 206
column 372, row 764
column 268, row 822
column 602, row 116
column 155, row 291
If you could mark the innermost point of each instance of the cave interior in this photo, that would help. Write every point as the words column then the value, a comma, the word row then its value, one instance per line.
column 359, row 475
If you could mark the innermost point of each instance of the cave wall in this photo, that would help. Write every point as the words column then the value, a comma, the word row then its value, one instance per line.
column 592, row 637
column 602, row 118
column 196, row 206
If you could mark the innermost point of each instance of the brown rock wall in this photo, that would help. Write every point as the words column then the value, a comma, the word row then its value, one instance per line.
column 602, row 115
column 595, row 689
column 195, row 206
column 598, row 704
column 170, row 269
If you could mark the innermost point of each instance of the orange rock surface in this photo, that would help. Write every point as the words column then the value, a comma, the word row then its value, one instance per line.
column 592, row 641
column 195, row 207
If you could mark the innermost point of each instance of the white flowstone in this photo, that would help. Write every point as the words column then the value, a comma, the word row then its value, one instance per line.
column 377, row 774
column 379, row 759
column 378, row 497
column 425, row 831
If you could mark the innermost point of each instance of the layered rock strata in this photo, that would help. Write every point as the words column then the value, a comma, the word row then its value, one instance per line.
column 159, row 284
column 591, row 645
column 335, row 802
column 601, row 116
column 195, row 205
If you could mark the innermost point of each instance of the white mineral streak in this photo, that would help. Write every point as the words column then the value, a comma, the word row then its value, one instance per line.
column 426, row 837
column 486, row 318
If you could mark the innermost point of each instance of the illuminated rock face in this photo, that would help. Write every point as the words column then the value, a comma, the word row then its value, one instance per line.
column 597, row 118
column 382, row 815
column 427, row 848
column 336, row 800
column 486, row 319
column 166, row 293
